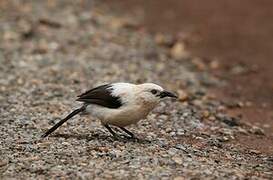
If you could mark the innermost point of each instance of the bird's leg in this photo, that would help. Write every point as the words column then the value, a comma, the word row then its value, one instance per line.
column 128, row 132
column 110, row 130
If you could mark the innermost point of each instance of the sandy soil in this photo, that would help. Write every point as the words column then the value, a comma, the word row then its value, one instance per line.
column 51, row 51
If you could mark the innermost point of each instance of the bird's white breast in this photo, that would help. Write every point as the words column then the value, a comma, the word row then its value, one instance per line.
column 121, row 117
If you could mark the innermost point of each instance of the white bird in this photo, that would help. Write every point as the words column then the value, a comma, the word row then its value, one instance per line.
column 118, row 104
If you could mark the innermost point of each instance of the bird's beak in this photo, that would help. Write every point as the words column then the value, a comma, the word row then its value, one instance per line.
column 167, row 94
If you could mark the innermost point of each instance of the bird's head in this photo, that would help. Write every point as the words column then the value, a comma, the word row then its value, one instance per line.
column 152, row 94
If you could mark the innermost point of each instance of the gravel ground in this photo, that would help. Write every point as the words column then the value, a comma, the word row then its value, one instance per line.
column 50, row 52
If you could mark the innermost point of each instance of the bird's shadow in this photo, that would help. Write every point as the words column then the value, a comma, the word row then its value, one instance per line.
column 103, row 137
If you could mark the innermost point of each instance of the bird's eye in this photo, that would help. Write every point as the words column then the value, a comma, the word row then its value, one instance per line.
column 154, row 91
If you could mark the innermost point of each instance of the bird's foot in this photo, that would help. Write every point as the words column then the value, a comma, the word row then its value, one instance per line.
column 131, row 138
column 116, row 137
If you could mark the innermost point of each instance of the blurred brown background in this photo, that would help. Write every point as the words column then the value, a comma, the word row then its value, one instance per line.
column 236, row 34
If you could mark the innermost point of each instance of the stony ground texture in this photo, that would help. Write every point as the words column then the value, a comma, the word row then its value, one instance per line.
column 52, row 51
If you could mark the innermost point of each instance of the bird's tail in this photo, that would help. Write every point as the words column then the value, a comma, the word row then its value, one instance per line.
column 75, row 112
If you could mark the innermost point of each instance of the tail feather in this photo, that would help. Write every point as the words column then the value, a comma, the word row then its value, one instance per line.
column 75, row 112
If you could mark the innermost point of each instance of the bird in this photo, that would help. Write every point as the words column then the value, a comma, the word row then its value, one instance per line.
column 118, row 104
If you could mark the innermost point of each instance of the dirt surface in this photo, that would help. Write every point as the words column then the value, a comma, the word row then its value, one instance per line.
column 232, row 38
column 46, row 60
column 236, row 33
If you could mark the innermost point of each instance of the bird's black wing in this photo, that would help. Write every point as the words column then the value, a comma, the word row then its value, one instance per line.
column 102, row 96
